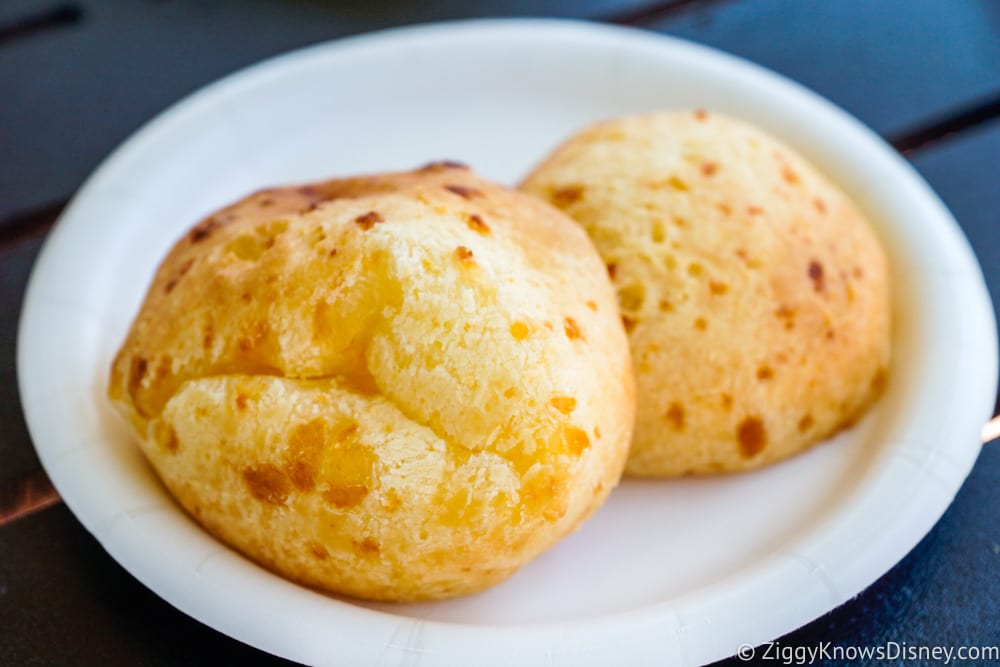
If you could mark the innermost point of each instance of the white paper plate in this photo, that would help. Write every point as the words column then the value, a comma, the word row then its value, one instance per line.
column 674, row 573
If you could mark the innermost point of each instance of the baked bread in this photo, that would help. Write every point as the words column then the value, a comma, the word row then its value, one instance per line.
column 756, row 295
column 396, row 387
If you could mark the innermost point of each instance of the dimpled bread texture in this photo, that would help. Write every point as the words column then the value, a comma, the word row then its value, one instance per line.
column 755, row 294
column 395, row 387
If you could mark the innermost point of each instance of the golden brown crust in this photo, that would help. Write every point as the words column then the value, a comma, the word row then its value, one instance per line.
column 368, row 385
column 755, row 294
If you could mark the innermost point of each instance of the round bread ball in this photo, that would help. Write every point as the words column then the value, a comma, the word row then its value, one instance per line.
column 755, row 293
column 395, row 387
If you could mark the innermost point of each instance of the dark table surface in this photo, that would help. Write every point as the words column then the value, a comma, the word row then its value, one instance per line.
column 76, row 78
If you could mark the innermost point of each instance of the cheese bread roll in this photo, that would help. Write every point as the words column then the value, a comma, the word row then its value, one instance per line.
column 396, row 387
column 755, row 293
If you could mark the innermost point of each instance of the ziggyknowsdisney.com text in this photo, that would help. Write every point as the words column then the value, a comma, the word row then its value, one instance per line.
column 807, row 655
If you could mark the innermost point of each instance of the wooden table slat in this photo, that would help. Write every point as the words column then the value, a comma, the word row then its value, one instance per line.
column 895, row 64
column 16, row 452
